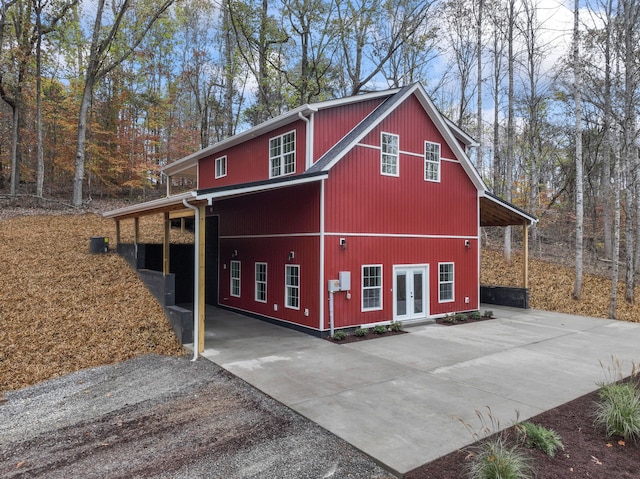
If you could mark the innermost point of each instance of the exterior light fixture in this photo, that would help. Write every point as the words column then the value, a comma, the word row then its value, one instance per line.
column 292, row 255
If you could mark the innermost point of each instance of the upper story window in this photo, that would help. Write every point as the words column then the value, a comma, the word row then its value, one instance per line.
column 431, row 161
column 389, row 153
column 282, row 155
column 221, row 167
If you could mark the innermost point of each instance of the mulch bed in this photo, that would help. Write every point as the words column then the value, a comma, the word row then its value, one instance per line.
column 588, row 452
column 352, row 338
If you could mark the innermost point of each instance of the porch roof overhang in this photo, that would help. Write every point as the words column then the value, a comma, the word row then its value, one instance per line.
column 207, row 196
column 495, row 211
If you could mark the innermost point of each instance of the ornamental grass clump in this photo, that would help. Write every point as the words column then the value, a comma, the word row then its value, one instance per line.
column 618, row 410
column 539, row 437
column 495, row 458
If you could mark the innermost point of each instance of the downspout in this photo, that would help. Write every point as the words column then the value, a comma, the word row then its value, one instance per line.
column 196, row 290
column 307, row 151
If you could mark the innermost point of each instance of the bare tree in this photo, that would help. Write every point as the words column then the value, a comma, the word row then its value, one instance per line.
column 103, row 58
column 577, row 92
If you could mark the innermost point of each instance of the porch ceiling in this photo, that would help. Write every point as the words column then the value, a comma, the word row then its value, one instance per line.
column 495, row 211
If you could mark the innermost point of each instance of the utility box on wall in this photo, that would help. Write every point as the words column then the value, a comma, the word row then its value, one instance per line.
column 345, row 280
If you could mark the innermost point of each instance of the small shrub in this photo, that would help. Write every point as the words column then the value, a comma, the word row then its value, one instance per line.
column 618, row 410
column 460, row 317
column 494, row 458
column 475, row 315
column 487, row 314
column 339, row 335
column 448, row 319
column 539, row 437
column 380, row 329
column 395, row 326
column 360, row 332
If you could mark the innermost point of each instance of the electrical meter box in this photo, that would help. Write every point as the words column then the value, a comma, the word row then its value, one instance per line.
column 345, row 280
column 333, row 285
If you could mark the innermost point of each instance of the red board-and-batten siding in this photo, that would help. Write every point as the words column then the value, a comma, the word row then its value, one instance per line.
column 386, row 220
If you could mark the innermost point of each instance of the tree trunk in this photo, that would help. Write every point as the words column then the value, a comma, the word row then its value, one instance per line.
column 510, row 126
column 577, row 288
column 83, row 117
column 479, row 159
column 40, row 149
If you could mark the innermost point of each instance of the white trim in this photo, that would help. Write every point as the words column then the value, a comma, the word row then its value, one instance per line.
column 438, row 163
column 286, row 286
column 222, row 159
column 322, row 256
column 333, row 233
column 396, row 155
column 381, row 287
column 453, row 283
column 256, row 282
column 231, row 278
column 243, row 190
column 426, row 303
column 282, row 154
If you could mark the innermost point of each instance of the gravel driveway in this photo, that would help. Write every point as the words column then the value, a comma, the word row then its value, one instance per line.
column 162, row 417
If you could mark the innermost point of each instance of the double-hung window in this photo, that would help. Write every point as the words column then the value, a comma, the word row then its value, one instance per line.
column 292, row 286
column 445, row 282
column 389, row 154
column 431, row 161
column 261, row 282
column 221, row 167
column 235, row 279
column 282, row 155
column 371, row 287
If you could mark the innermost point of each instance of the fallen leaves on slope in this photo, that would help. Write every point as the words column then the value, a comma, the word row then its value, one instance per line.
column 551, row 287
column 63, row 309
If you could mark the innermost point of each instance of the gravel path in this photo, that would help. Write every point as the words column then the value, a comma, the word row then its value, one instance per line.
column 164, row 417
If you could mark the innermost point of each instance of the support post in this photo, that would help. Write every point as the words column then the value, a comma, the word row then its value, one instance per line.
column 201, row 276
column 117, row 231
column 525, row 255
column 136, row 230
column 166, row 245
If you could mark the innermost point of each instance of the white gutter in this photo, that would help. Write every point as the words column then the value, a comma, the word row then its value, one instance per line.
column 196, row 289
column 307, row 143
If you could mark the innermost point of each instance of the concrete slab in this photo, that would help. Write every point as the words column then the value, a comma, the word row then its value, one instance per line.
column 403, row 399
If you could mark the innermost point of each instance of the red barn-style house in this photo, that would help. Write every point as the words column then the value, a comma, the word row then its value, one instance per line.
column 344, row 213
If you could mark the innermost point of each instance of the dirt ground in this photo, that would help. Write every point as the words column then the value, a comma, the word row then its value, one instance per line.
column 163, row 417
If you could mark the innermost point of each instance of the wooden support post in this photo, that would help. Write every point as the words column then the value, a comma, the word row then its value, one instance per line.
column 182, row 225
column 525, row 255
column 136, row 230
column 166, row 245
column 201, row 277
column 117, row 231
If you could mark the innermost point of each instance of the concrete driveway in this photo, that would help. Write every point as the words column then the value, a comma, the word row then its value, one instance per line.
column 402, row 399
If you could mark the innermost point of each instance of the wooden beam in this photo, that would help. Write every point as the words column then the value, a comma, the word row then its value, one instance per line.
column 166, row 245
column 525, row 254
column 184, row 213
column 201, row 277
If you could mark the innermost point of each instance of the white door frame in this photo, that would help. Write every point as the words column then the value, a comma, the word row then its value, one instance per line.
column 410, row 269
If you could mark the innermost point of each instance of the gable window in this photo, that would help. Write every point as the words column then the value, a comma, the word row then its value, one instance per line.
column 261, row 282
column 292, row 286
column 221, row 167
column 431, row 161
column 445, row 282
column 389, row 152
column 282, row 155
column 235, row 278
column 371, row 287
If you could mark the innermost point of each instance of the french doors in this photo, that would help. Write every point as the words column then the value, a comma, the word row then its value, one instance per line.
column 410, row 292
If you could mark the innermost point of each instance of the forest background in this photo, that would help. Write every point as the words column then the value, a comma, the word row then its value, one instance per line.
column 98, row 95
